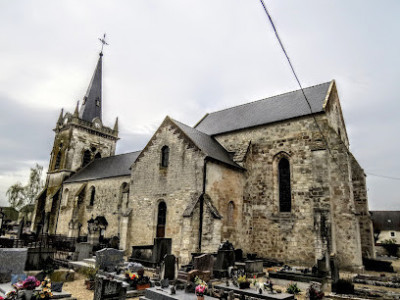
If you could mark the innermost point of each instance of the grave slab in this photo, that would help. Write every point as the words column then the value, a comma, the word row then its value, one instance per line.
column 157, row 293
column 254, row 293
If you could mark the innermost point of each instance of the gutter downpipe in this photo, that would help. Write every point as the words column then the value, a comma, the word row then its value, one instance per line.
column 202, row 203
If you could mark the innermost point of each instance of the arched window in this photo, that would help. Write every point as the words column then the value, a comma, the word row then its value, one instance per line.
column 58, row 161
column 231, row 212
column 285, row 194
column 86, row 158
column 92, row 196
column 97, row 156
column 161, row 219
column 164, row 156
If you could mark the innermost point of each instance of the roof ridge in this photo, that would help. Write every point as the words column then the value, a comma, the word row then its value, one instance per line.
column 251, row 102
column 117, row 155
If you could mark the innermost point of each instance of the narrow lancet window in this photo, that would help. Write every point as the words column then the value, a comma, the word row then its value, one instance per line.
column 164, row 156
column 92, row 196
column 285, row 194
column 161, row 219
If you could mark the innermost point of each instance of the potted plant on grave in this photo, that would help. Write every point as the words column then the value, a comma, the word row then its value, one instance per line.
column 137, row 280
column 201, row 288
column 90, row 273
column 45, row 292
column 243, row 282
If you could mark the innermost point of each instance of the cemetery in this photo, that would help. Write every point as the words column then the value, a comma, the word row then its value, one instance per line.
column 45, row 271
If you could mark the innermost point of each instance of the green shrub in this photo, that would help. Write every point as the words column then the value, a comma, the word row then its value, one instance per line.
column 293, row 289
column 89, row 272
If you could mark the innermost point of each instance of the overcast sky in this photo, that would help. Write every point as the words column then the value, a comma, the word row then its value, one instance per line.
column 184, row 58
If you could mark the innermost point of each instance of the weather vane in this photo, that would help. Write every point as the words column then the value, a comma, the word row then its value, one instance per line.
column 103, row 42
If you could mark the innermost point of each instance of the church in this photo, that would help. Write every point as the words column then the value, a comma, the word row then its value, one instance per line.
column 274, row 177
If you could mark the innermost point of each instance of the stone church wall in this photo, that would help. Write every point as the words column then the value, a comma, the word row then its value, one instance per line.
column 177, row 185
column 225, row 187
column 296, row 236
column 82, row 140
column 108, row 202
column 361, row 202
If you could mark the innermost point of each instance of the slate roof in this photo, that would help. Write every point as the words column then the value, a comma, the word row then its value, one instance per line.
column 113, row 166
column 386, row 220
column 207, row 144
column 273, row 109
column 90, row 109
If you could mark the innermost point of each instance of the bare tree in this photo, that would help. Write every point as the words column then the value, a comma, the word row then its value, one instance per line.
column 16, row 196
column 19, row 195
column 35, row 184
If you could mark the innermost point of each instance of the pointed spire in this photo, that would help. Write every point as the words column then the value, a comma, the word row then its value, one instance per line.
column 60, row 118
column 116, row 124
column 91, row 105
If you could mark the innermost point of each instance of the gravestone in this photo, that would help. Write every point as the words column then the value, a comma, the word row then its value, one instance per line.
column 225, row 259
column 238, row 255
column 334, row 269
column 204, row 262
column 109, row 289
column 83, row 250
column 108, row 259
column 169, row 267
column 12, row 260
column 323, row 269
column 254, row 267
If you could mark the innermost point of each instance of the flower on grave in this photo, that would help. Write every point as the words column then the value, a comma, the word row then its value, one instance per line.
column 30, row 283
column 45, row 291
column 255, row 280
column 201, row 286
column 11, row 295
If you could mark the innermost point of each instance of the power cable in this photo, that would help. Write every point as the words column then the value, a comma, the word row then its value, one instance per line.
column 383, row 176
column 301, row 87
column 308, row 103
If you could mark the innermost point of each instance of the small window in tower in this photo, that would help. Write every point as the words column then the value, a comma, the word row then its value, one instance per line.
column 392, row 234
column 86, row 158
column 58, row 161
column 164, row 156
column 98, row 102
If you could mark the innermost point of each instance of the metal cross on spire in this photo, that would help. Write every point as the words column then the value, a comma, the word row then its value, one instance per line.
column 103, row 42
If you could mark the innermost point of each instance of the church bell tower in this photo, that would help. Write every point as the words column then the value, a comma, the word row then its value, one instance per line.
column 80, row 137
